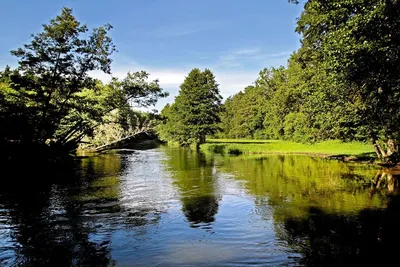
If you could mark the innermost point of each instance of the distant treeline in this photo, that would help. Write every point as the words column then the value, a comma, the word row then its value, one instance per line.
column 292, row 104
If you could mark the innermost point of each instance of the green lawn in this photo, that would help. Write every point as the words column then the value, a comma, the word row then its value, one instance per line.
column 238, row 146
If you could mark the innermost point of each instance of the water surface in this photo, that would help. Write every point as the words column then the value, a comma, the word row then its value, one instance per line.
column 174, row 207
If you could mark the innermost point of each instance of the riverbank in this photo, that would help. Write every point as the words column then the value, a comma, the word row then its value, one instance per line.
column 356, row 151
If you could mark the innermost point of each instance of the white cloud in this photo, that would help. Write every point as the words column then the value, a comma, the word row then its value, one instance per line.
column 167, row 77
column 230, row 82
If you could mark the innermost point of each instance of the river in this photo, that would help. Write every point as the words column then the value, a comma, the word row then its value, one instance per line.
column 173, row 207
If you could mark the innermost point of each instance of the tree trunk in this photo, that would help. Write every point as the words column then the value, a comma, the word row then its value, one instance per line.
column 389, row 153
column 390, row 182
column 391, row 147
column 382, row 150
column 376, row 148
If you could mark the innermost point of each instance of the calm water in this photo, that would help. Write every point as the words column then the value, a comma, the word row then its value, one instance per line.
column 173, row 207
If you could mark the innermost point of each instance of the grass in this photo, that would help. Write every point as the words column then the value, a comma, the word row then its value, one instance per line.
column 328, row 148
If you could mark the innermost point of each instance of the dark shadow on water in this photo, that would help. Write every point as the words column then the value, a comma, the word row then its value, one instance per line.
column 45, row 209
column 44, row 241
column 143, row 145
column 363, row 157
column 368, row 238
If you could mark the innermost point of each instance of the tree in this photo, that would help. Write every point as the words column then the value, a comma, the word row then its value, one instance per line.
column 359, row 42
column 195, row 113
column 55, row 66
column 51, row 95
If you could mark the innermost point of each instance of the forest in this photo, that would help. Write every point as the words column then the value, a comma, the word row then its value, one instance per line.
column 342, row 84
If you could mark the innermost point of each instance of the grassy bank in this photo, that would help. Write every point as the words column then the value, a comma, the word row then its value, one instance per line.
column 327, row 148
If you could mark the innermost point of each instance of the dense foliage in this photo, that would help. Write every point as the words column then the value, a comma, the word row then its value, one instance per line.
column 51, row 100
column 342, row 83
column 359, row 41
column 291, row 104
column 195, row 112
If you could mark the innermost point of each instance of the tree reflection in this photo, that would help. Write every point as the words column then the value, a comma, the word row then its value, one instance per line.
column 385, row 178
column 333, row 213
column 193, row 176
column 200, row 209
column 293, row 183
column 368, row 238
column 46, row 213
column 46, row 238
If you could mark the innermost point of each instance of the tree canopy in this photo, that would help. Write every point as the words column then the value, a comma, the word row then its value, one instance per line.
column 359, row 42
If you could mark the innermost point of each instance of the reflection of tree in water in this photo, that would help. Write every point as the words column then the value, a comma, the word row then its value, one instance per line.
column 48, row 239
column 292, row 183
column 386, row 179
column 323, row 209
column 47, row 213
column 367, row 238
column 201, row 209
column 193, row 176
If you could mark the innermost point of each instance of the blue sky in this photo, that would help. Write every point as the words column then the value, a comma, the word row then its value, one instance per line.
column 167, row 38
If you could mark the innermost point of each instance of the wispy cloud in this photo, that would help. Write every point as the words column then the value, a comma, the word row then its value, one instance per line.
column 246, row 51
column 236, row 57
column 167, row 77
column 254, row 56
column 187, row 28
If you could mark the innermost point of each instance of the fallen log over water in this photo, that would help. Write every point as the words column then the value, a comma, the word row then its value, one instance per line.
column 136, row 138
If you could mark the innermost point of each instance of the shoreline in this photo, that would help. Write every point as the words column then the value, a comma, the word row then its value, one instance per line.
column 351, row 152
column 356, row 152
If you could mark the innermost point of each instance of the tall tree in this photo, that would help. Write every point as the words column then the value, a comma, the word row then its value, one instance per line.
column 56, row 65
column 195, row 113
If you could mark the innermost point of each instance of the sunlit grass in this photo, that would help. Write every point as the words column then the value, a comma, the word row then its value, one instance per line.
column 239, row 146
column 241, row 141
